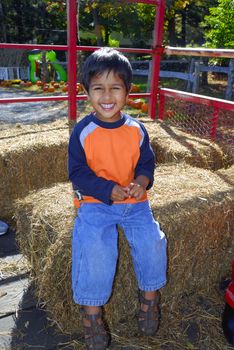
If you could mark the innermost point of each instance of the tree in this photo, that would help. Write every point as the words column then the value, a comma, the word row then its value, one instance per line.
column 182, row 21
column 133, row 21
column 220, row 25
column 3, row 24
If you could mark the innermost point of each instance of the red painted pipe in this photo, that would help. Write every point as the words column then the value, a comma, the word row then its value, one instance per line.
column 156, row 57
column 71, row 42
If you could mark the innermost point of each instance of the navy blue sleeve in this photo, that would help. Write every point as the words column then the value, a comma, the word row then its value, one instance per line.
column 82, row 177
column 146, row 162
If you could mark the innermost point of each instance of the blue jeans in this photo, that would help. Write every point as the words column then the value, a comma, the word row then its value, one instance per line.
column 95, row 252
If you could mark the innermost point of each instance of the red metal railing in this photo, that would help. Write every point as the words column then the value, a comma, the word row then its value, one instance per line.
column 220, row 112
column 72, row 48
column 206, row 117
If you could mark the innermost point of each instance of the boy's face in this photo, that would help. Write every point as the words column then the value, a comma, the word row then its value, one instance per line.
column 107, row 94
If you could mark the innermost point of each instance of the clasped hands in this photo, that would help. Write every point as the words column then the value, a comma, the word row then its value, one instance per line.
column 133, row 190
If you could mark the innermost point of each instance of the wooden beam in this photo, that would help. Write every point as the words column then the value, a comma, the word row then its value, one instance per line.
column 188, row 51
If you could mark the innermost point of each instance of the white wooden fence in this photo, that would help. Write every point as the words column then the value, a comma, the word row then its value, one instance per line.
column 10, row 73
column 195, row 68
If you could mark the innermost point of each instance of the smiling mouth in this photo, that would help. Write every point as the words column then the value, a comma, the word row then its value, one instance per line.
column 107, row 105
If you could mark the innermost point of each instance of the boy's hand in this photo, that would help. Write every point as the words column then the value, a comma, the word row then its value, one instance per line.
column 119, row 193
column 138, row 187
column 136, row 190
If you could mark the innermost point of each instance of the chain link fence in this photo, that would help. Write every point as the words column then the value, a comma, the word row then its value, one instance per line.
column 202, row 116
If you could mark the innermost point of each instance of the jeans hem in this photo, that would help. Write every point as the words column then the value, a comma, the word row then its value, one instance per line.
column 152, row 288
column 89, row 302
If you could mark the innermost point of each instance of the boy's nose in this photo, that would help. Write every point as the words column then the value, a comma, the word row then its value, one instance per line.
column 107, row 94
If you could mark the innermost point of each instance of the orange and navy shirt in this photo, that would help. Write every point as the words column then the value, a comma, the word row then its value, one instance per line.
column 102, row 154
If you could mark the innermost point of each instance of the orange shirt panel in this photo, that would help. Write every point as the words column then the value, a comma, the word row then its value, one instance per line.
column 113, row 153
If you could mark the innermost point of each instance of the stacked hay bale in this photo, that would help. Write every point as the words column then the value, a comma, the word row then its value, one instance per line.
column 174, row 145
column 31, row 157
column 194, row 207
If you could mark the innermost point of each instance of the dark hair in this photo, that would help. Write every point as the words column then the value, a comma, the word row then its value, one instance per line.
column 106, row 59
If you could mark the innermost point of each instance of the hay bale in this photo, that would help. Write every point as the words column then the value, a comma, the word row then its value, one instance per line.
column 31, row 157
column 35, row 156
column 40, row 224
column 171, row 144
column 194, row 207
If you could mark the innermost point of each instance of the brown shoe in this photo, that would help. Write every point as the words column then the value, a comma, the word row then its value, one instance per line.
column 96, row 337
column 148, row 321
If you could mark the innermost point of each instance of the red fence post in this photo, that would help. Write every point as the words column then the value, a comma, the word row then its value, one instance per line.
column 71, row 43
column 156, row 57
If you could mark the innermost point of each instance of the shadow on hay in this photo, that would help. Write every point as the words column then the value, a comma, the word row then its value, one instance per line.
column 197, row 158
column 225, row 177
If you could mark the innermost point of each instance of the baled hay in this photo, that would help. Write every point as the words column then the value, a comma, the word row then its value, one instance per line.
column 171, row 144
column 227, row 174
column 42, row 217
column 194, row 207
column 31, row 158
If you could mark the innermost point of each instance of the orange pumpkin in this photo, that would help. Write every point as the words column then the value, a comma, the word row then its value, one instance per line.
column 39, row 83
column 52, row 82
column 65, row 89
column 56, row 85
column 50, row 89
column 29, row 83
column 129, row 101
column 144, row 107
column 135, row 88
column 137, row 104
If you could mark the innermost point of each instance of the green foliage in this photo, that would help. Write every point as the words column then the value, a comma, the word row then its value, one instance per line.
column 33, row 21
column 220, row 25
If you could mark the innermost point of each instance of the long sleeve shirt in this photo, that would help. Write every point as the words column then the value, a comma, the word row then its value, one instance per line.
column 102, row 154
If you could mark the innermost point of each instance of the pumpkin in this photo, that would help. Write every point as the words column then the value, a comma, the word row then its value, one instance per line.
column 135, row 88
column 50, row 89
column 137, row 104
column 144, row 107
column 39, row 83
column 56, row 85
column 65, row 89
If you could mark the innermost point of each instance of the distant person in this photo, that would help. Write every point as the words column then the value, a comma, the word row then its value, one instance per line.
column 111, row 167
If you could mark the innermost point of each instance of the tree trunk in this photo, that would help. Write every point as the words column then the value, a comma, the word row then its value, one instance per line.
column 171, row 31
column 19, row 21
column 97, row 28
column 183, row 28
column 77, row 20
column 3, row 25
column 107, row 35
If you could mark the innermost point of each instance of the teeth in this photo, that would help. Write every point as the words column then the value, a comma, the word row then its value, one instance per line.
column 107, row 106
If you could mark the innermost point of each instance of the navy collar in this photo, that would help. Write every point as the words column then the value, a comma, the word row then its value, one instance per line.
column 107, row 125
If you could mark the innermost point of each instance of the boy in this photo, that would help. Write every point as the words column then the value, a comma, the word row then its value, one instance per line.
column 111, row 165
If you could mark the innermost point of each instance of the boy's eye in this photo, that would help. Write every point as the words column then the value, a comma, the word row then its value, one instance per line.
column 97, row 88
